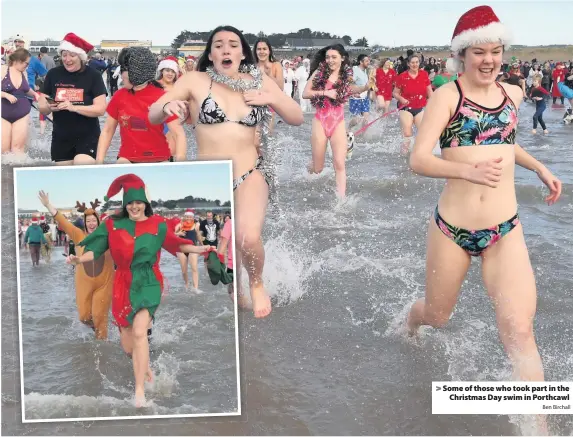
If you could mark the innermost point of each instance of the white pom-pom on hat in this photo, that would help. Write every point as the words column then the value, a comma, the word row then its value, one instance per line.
column 454, row 65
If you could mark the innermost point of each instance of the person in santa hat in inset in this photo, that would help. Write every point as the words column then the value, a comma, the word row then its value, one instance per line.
column 189, row 64
column 78, row 97
column 34, row 240
column 475, row 120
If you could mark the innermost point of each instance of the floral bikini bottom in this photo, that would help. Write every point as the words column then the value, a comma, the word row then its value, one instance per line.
column 475, row 242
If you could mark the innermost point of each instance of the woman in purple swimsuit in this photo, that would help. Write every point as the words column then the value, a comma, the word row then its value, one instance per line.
column 15, row 103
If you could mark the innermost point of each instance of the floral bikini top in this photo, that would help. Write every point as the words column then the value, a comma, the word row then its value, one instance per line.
column 211, row 113
column 476, row 125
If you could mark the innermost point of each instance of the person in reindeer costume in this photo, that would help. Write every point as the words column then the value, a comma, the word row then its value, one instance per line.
column 94, row 279
column 134, row 238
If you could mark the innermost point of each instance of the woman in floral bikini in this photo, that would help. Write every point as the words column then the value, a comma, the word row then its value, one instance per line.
column 475, row 120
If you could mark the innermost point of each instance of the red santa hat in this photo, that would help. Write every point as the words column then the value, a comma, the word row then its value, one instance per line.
column 189, row 212
column 477, row 26
column 75, row 44
column 169, row 62
column 133, row 189
column 42, row 219
column 35, row 220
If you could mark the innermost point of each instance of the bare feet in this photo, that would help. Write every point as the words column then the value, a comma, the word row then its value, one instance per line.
column 140, row 401
column 261, row 301
column 411, row 328
column 545, row 131
column 533, row 131
column 242, row 302
column 149, row 375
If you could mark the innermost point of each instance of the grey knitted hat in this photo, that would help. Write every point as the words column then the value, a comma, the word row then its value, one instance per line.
column 139, row 63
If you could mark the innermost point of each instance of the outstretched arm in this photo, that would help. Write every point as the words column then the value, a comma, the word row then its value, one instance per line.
column 190, row 248
column 84, row 258
column 174, row 100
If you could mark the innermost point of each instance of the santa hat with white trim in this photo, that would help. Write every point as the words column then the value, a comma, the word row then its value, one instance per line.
column 169, row 62
column 75, row 44
column 477, row 26
column 189, row 213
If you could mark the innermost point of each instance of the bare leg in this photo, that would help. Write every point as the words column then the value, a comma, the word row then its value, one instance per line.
column 446, row 267
column 6, row 136
column 339, row 145
column 140, row 355
column 82, row 159
column 184, row 271
column 193, row 257
column 406, row 123
column 20, row 131
column 250, row 209
column 318, row 142
column 509, row 279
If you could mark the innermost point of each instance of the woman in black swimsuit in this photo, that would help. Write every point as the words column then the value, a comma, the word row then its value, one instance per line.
column 227, row 98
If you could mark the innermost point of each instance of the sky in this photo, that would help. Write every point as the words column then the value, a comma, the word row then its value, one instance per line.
column 388, row 23
column 66, row 185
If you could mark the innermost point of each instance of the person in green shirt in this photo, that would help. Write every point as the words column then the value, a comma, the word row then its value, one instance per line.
column 34, row 239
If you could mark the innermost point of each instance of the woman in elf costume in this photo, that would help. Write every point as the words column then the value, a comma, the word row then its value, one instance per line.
column 134, row 238
column 94, row 279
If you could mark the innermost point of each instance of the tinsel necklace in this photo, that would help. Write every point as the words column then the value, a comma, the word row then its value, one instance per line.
column 241, row 85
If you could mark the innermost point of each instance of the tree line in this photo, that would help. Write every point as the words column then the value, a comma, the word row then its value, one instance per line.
column 190, row 202
column 276, row 39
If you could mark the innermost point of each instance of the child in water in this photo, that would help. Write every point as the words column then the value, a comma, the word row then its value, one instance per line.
column 538, row 94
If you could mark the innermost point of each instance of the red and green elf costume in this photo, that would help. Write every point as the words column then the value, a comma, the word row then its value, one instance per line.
column 135, row 247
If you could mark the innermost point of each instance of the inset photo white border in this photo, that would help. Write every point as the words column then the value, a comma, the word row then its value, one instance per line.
column 127, row 168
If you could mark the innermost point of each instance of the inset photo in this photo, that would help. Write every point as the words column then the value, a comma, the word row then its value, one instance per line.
column 126, row 291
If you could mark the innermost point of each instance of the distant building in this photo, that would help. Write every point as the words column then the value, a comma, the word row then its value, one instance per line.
column 50, row 44
column 29, row 213
column 192, row 47
column 312, row 44
column 112, row 47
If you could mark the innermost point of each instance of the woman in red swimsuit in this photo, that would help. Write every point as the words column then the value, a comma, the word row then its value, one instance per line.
column 385, row 78
column 413, row 89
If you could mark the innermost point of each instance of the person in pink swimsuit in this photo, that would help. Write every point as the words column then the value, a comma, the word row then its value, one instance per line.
column 329, row 86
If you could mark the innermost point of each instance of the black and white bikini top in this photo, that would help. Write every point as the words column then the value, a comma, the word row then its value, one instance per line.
column 211, row 113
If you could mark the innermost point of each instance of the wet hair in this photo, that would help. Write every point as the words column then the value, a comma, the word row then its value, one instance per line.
column 204, row 62
column 124, row 214
column 19, row 55
column 320, row 57
column 268, row 43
